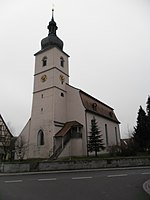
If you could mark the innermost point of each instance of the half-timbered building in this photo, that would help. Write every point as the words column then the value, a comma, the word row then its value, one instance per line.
column 6, row 140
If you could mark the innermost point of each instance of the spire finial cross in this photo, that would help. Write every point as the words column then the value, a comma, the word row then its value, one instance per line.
column 53, row 11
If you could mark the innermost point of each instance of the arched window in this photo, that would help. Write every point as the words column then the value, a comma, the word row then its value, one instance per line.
column 62, row 62
column 40, row 138
column 44, row 61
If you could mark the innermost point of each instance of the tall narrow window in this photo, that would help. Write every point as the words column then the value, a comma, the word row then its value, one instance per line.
column 40, row 138
column 44, row 61
column 106, row 132
column 62, row 62
column 116, row 134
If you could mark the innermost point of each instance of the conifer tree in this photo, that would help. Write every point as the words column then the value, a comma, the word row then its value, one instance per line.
column 140, row 135
column 148, row 119
column 95, row 141
column 148, row 106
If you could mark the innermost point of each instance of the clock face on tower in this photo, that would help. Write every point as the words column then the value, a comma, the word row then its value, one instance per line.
column 43, row 78
column 62, row 78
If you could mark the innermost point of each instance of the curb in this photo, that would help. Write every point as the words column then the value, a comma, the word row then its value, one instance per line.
column 72, row 170
column 146, row 186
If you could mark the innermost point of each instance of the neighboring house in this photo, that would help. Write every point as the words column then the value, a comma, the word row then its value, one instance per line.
column 126, row 142
column 6, row 141
column 61, row 114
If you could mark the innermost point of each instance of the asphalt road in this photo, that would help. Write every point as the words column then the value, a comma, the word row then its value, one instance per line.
column 80, row 185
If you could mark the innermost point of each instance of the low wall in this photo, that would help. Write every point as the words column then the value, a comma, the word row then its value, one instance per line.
column 75, row 164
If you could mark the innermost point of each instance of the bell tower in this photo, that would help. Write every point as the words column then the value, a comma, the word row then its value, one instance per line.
column 49, row 93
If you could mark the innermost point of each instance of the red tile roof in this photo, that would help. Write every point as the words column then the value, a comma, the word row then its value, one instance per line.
column 93, row 105
column 67, row 126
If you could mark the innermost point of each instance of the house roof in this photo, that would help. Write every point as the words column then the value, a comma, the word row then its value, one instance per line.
column 126, row 141
column 67, row 126
column 93, row 105
column 2, row 120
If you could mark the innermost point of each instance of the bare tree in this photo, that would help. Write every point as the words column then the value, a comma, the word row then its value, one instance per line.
column 20, row 148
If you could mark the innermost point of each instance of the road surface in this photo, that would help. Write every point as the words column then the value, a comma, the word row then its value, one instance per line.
column 124, row 184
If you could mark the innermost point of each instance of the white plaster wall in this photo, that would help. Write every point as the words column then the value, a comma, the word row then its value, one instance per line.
column 66, row 151
column 53, row 69
column 25, row 132
column 42, row 119
column 76, row 147
column 75, row 108
column 57, row 80
column 73, row 148
column 39, row 64
column 39, row 85
column 53, row 56
column 110, row 129
column 60, row 106
column 57, row 55
column 76, row 111
column 42, row 150
column 24, row 135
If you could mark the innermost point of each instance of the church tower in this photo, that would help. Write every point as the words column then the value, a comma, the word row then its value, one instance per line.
column 49, row 93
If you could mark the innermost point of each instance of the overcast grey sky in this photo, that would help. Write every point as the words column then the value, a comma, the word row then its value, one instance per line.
column 109, row 46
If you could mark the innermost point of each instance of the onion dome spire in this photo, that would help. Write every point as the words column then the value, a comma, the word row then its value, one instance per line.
column 52, row 40
column 52, row 27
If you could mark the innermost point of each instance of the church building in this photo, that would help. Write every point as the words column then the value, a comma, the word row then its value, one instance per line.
column 61, row 114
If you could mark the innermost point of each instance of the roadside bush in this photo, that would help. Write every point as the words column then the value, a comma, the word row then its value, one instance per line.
column 114, row 150
column 123, row 150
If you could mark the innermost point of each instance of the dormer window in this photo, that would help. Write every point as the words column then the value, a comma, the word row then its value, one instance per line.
column 94, row 106
column 44, row 61
column 62, row 62
column 111, row 114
